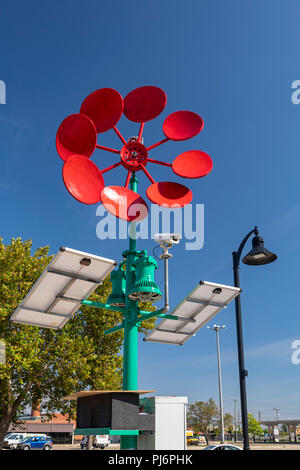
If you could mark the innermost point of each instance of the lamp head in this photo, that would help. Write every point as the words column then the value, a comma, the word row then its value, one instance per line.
column 145, row 288
column 259, row 254
column 118, row 281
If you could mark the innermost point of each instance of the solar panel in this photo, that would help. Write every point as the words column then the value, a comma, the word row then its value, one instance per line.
column 202, row 304
column 68, row 279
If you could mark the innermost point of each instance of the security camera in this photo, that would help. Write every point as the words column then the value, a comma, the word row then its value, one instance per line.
column 169, row 239
column 166, row 241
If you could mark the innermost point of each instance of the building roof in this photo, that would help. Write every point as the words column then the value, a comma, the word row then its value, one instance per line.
column 275, row 422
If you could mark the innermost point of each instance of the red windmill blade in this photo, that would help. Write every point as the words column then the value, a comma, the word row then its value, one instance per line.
column 101, row 111
column 83, row 179
column 192, row 164
column 169, row 194
column 104, row 107
column 124, row 203
column 182, row 125
column 76, row 135
column 144, row 104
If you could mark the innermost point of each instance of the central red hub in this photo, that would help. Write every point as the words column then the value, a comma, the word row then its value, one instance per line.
column 133, row 155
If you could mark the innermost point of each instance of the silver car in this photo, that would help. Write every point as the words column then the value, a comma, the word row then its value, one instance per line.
column 222, row 447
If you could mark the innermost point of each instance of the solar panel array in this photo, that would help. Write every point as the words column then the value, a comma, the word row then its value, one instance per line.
column 69, row 278
column 200, row 306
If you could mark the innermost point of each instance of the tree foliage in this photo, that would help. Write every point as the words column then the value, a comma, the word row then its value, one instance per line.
column 202, row 415
column 228, row 421
column 205, row 416
column 43, row 364
column 254, row 426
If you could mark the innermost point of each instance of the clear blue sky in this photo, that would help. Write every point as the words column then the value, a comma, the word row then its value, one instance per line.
column 233, row 63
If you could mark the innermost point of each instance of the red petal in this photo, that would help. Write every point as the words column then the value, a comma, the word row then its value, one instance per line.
column 104, row 107
column 83, row 179
column 144, row 103
column 169, row 194
column 76, row 135
column 182, row 125
column 192, row 164
column 124, row 203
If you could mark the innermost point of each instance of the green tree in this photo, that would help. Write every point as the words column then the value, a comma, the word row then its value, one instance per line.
column 254, row 426
column 284, row 430
column 46, row 365
column 228, row 421
column 201, row 416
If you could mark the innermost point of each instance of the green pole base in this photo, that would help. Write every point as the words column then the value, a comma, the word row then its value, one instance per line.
column 128, row 443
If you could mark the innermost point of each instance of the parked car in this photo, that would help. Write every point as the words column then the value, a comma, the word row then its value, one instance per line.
column 192, row 441
column 35, row 443
column 13, row 439
column 222, row 447
column 101, row 441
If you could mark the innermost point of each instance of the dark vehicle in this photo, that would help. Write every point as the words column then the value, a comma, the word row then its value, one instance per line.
column 222, row 447
column 36, row 442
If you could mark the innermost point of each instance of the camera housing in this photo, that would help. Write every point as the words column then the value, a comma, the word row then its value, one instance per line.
column 169, row 239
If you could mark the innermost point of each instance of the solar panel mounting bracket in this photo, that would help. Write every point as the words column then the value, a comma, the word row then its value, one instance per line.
column 202, row 302
column 72, row 275
column 48, row 313
column 174, row 332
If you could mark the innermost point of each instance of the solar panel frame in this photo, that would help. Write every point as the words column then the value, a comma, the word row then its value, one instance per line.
column 201, row 300
column 43, row 306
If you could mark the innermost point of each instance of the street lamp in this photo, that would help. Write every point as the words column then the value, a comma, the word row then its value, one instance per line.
column 257, row 256
column 217, row 329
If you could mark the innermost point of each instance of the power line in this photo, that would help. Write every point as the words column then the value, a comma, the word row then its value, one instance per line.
column 276, row 411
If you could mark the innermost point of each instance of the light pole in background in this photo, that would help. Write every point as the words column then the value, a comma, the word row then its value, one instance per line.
column 217, row 329
column 257, row 256
column 234, row 417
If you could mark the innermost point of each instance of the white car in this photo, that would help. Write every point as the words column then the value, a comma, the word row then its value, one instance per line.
column 98, row 441
column 222, row 447
column 11, row 441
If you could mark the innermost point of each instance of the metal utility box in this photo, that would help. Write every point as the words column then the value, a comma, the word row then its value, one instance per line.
column 108, row 410
column 114, row 412
column 169, row 423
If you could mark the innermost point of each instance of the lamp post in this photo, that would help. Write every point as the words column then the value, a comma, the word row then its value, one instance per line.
column 259, row 255
column 235, row 423
column 217, row 329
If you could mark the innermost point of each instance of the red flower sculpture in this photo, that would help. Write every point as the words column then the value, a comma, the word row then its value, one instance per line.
column 76, row 141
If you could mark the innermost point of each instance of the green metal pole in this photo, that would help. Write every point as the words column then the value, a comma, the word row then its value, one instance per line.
column 130, row 352
column 99, row 305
